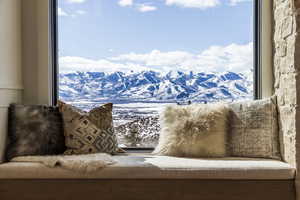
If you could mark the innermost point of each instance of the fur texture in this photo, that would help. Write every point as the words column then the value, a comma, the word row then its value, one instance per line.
column 193, row 131
column 34, row 130
column 82, row 163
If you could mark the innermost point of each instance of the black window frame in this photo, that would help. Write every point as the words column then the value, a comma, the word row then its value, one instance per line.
column 257, row 76
column 257, row 69
column 53, row 38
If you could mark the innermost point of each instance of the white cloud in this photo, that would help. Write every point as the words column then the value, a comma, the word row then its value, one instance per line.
column 139, row 7
column 156, row 58
column 61, row 12
column 80, row 12
column 73, row 14
column 77, row 13
column 202, row 4
column 234, row 57
column 235, row 2
column 125, row 3
column 75, row 1
column 72, row 64
column 146, row 8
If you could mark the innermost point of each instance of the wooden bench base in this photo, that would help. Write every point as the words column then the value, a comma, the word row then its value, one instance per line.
column 147, row 189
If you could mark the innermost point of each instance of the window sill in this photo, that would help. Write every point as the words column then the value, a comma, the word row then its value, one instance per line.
column 139, row 150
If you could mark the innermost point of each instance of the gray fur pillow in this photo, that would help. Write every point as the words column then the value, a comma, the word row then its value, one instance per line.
column 34, row 130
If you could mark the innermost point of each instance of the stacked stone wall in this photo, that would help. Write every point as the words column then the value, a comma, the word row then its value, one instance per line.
column 286, row 72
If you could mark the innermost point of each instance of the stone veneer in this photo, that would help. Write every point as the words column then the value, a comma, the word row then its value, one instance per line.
column 286, row 69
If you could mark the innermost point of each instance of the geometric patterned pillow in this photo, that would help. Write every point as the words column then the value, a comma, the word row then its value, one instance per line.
column 88, row 132
column 254, row 129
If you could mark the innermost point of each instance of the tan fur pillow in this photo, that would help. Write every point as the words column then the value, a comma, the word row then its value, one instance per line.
column 193, row 131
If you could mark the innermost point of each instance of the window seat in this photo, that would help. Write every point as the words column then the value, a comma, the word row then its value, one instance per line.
column 146, row 166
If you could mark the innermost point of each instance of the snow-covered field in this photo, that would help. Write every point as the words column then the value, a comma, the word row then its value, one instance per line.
column 139, row 97
column 136, row 123
column 126, row 112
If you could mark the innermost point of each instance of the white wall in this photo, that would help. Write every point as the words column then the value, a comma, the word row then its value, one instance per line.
column 29, row 51
column 24, row 56
column 10, row 66
column 35, row 42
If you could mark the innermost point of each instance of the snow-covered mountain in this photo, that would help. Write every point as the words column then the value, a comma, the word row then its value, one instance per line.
column 155, row 86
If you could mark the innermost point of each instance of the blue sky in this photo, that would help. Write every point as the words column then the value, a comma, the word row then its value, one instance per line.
column 122, row 35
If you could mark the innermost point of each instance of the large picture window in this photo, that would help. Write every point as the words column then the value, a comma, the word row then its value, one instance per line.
column 143, row 55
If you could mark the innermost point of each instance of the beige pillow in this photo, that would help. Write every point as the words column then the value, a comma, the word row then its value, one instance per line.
column 193, row 131
column 254, row 129
column 88, row 132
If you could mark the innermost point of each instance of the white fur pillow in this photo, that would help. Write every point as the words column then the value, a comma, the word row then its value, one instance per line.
column 193, row 131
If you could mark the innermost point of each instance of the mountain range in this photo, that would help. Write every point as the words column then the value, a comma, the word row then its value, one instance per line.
column 154, row 86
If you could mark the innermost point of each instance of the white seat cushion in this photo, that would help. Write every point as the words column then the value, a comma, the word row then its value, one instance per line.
column 143, row 166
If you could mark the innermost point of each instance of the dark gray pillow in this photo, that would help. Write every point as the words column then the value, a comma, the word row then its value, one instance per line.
column 34, row 130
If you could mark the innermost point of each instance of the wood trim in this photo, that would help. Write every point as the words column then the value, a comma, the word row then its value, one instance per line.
column 3, row 87
column 147, row 189
column 267, row 74
column 10, row 95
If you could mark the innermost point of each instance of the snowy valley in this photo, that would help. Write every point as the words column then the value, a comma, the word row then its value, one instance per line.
column 138, row 97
